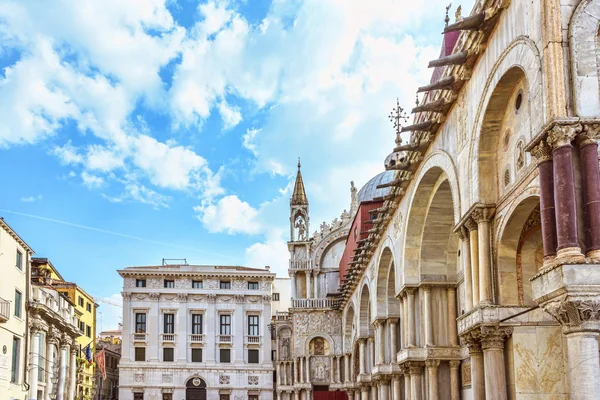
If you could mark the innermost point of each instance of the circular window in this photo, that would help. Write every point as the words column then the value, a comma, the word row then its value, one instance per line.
column 519, row 101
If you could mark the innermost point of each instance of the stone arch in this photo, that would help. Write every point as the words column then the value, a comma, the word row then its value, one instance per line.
column 521, row 54
column 195, row 388
column 384, row 265
column 364, row 312
column 393, row 305
column 433, row 203
column 325, row 336
column 349, row 328
column 520, row 253
column 584, row 43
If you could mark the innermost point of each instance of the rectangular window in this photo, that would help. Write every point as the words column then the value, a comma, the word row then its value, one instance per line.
column 81, row 326
column 140, row 283
column 167, row 396
column 18, row 305
column 253, row 325
column 223, row 397
column 225, row 355
column 252, row 356
column 225, row 324
column 19, row 260
column 196, row 284
column 196, row 355
column 140, row 354
column 253, row 285
column 196, row 324
column 273, row 355
column 16, row 355
column 252, row 397
column 88, row 307
column 138, row 396
column 140, row 323
column 88, row 331
column 169, row 323
column 168, row 354
column 80, row 301
column 275, row 296
column 169, row 283
column 225, row 284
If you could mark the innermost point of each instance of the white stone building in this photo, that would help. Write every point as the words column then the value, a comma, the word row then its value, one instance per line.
column 281, row 296
column 196, row 332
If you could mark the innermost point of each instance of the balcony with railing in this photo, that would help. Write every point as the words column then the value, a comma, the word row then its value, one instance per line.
column 225, row 339
column 196, row 338
column 313, row 303
column 300, row 265
column 252, row 339
column 139, row 337
column 282, row 316
column 167, row 337
column 4, row 310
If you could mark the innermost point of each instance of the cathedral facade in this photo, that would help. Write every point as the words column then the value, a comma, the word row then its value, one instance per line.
column 470, row 269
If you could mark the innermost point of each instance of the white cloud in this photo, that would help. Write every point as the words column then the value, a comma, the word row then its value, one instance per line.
column 230, row 115
column 272, row 252
column 91, row 181
column 31, row 199
column 249, row 137
column 110, row 312
column 103, row 159
column 230, row 215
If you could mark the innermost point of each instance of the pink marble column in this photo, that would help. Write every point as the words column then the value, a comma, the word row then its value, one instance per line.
column 560, row 138
column 590, row 179
column 543, row 153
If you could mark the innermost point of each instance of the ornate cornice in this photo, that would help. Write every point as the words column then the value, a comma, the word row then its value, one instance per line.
column 563, row 135
column 542, row 151
column 589, row 135
column 576, row 314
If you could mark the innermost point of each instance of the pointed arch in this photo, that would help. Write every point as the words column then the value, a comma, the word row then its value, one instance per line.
column 364, row 312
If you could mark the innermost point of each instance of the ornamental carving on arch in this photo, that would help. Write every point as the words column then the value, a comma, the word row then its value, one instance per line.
column 325, row 243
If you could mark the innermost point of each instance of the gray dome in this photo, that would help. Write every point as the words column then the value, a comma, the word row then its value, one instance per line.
column 369, row 191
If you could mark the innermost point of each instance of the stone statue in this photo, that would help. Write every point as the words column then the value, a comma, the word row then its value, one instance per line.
column 320, row 371
column 353, row 197
column 520, row 156
column 301, row 228
column 458, row 14
column 285, row 348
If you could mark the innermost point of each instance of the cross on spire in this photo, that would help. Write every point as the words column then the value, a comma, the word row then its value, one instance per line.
column 396, row 116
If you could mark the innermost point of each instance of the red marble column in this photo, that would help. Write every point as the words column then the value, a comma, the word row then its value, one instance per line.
column 543, row 153
column 590, row 177
column 560, row 138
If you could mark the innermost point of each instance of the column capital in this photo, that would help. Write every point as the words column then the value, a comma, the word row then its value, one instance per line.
column 126, row 295
column 483, row 213
column 542, row 151
column 454, row 364
column 472, row 340
column 379, row 322
column 575, row 315
column 73, row 351
column 563, row 135
column 415, row 367
column 493, row 337
column 463, row 232
column 393, row 320
column 432, row 363
column 36, row 326
column 589, row 135
column 410, row 291
column 426, row 288
column 470, row 224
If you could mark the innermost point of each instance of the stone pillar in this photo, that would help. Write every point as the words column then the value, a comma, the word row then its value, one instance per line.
column 374, row 391
column 308, row 285
column 465, row 257
column 483, row 218
column 339, row 369
column 347, row 376
column 415, row 381
column 380, row 345
column 350, row 394
column 452, row 316
column 362, row 362
column 35, row 356
column 294, row 287
column 492, row 344
column 384, row 389
column 584, row 365
column 396, row 392
column 301, row 369
column 432, row 374
column 50, row 344
column 371, row 350
column 316, row 284
column 73, row 372
column 332, row 370
column 393, row 339
column 590, row 180
column 405, row 321
column 278, row 372
column 410, row 296
column 543, row 153
column 474, row 256
column 560, row 138
column 406, row 374
column 352, row 372
column 454, row 380
column 401, row 322
column 364, row 393
column 428, row 316
column 62, row 377
column 477, row 376
column 307, row 372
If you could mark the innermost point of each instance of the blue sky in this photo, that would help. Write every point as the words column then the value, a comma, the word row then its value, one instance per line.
column 133, row 131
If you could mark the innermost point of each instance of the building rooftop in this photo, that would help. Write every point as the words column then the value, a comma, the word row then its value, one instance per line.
column 369, row 191
column 221, row 270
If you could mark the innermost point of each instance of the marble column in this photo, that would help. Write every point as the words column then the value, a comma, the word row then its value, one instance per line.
column 380, row 345
column 584, row 365
column 350, row 394
column 374, row 391
column 362, row 362
column 295, row 395
column 432, row 375
column 590, row 180
column 316, row 284
column 364, row 393
column 352, row 371
column 307, row 372
column 474, row 256
column 405, row 321
column 454, row 380
column 294, row 371
column 301, row 369
column 347, row 375
column 393, row 339
column 371, row 355
column 332, row 370
column 411, row 330
column 62, row 377
column 294, row 287
column 492, row 344
column 483, row 217
column 402, row 332
column 396, row 389
column 51, row 343
column 428, row 316
column 543, row 154
column 477, row 376
column 452, row 316
column 308, row 285
column 560, row 138
column 339, row 369
column 35, row 357
column 278, row 372
column 407, row 394
column 73, row 372
column 384, row 389
column 465, row 257
column 415, row 382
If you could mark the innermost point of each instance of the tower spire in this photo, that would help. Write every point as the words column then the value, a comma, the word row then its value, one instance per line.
column 299, row 195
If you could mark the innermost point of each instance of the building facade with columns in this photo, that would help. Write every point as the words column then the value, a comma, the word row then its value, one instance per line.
column 480, row 277
column 53, row 331
column 196, row 332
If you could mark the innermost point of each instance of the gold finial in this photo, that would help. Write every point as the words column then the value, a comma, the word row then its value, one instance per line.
column 396, row 115
column 458, row 14
column 447, row 19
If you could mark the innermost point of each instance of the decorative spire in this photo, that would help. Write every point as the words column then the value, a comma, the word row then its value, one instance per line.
column 447, row 19
column 299, row 196
column 396, row 115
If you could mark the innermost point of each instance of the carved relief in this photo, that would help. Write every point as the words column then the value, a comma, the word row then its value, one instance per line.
column 264, row 285
column 211, row 284
column 182, row 283
column 466, row 372
column 153, row 283
column 572, row 313
column 139, row 377
column 319, row 369
column 239, row 284
column 225, row 299
column 128, row 282
column 252, row 380
column 224, row 379
column 167, row 378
